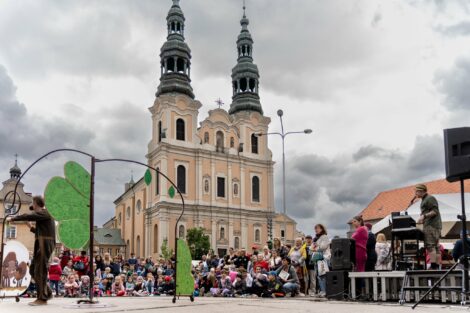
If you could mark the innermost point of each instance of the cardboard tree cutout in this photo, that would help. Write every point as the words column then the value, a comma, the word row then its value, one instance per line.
column 68, row 201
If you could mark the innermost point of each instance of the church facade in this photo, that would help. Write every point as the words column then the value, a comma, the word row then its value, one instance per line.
column 222, row 167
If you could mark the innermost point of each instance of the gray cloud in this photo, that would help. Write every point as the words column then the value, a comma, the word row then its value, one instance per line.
column 122, row 132
column 331, row 191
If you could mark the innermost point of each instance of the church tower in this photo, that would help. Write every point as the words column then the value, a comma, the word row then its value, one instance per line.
column 175, row 56
column 245, row 75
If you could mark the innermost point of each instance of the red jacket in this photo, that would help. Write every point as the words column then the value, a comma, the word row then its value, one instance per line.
column 55, row 271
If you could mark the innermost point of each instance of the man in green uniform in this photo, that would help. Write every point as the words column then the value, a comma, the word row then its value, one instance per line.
column 44, row 245
column 431, row 218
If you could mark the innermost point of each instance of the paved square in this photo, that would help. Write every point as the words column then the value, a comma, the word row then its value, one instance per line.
column 226, row 305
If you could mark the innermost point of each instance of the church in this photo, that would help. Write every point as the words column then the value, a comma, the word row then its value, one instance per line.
column 222, row 166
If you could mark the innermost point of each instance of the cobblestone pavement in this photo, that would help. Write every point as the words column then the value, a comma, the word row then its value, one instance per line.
column 225, row 305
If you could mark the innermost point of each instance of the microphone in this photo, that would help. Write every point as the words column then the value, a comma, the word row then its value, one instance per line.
column 411, row 203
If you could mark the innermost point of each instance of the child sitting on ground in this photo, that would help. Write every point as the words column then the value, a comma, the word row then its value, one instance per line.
column 71, row 287
column 85, row 286
column 130, row 286
column 118, row 289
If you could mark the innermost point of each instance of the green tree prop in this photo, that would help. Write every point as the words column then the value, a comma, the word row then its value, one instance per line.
column 166, row 253
column 184, row 279
column 68, row 201
column 198, row 242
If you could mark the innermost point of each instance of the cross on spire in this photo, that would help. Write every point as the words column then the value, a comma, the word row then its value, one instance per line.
column 16, row 159
column 219, row 102
column 244, row 7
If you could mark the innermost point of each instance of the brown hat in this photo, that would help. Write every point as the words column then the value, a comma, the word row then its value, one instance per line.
column 421, row 187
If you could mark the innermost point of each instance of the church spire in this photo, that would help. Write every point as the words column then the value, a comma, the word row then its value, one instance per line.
column 175, row 56
column 15, row 171
column 245, row 75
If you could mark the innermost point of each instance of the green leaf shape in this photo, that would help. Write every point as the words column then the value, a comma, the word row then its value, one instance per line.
column 75, row 233
column 184, row 279
column 68, row 199
column 171, row 192
column 148, row 177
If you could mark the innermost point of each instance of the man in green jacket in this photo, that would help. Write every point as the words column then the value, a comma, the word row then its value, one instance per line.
column 431, row 218
column 44, row 244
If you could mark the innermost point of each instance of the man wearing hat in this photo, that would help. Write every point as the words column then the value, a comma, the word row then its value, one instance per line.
column 431, row 218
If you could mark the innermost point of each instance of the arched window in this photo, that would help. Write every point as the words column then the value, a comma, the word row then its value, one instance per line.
column 232, row 142
column 255, row 189
column 254, row 143
column 257, row 235
column 155, row 238
column 137, row 248
column 128, row 212
column 180, row 65
column 206, row 137
column 170, row 65
column 181, row 178
column 252, row 84
column 180, row 129
column 138, row 206
column 235, row 87
column 119, row 219
column 219, row 141
column 159, row 131
column 237, row 243
column 157, row 187
column 222, row 233
column 243, row 84
column 181, row 232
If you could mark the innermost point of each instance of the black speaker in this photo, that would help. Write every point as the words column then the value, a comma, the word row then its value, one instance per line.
column 457, row 151
column 343, row 254
column 337, row 285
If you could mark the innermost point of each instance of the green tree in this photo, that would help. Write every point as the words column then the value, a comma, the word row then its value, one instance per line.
column 166, row 253
column 198, row 242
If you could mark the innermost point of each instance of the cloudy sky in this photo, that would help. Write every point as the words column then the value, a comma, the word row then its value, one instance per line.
column 377, row 81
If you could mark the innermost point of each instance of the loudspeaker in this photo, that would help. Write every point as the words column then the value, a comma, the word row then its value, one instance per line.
column 457, row 152
column 343, row 254
column 337, row 285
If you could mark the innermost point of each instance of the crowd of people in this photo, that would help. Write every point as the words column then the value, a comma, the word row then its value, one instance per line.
column 276, row 270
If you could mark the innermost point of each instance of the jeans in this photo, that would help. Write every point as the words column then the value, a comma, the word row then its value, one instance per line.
column 290, row 287
column 55, row 286
column 322, row 283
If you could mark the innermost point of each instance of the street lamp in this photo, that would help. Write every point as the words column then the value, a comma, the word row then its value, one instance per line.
column 283, row 135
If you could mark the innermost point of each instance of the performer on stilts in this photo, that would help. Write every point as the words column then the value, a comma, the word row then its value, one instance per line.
column 44, row 245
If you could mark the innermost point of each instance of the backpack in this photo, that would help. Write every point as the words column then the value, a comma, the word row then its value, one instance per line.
column 79, row 266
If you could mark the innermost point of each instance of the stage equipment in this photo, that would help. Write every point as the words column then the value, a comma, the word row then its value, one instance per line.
column 457, row 153
column 343, row 254
column 337, row 285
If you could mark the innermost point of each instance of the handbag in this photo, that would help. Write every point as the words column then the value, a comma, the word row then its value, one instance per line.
column 79, row 266
column 323, row 267
column 316, row 256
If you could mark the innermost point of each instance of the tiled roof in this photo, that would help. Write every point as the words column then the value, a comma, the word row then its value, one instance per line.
column 105, row 236
column 398, row 199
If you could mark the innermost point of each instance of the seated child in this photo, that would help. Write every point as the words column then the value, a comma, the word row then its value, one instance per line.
column 71, row 287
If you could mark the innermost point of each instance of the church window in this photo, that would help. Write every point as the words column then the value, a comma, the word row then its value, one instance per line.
column 257, row 235
column 170, row 65
column 159, row 131
column 222, row 233
column 255, row 189
column 181, row 178
column 138, row 206
column 252, row 84
column 180, row 129
column 254, row 144
column 243, row 84
column 119, row 219
column 221, row 187
column 232, row 142
column 206, row 137
column 128, row 212
column 180, row 65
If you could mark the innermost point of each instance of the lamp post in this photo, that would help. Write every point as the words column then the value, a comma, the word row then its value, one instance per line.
column 283, row 135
